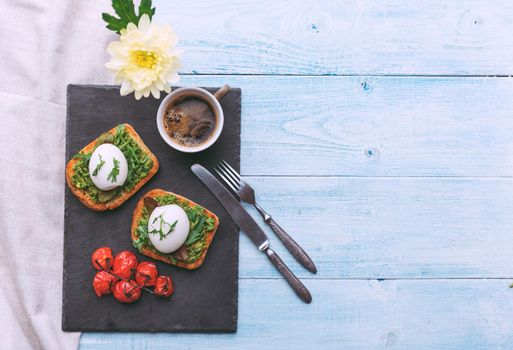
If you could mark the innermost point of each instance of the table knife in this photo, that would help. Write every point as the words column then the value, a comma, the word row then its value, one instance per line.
column 249, row 226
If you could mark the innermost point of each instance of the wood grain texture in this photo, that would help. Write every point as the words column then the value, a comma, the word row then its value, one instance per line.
column 343, row 37
column 387, row 227
column 405, row 315
column 374, row 126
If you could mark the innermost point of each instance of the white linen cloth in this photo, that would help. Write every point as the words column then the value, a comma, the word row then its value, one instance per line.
column 44, row 45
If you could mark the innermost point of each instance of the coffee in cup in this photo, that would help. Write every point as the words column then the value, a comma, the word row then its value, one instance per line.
column 191, row 119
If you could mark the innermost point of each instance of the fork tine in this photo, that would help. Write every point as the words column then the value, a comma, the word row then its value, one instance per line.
column 229, row 167
column 229, row 182
column 228, row 173
column 226, row 180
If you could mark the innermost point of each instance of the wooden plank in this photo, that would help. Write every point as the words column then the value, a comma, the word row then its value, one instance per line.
column 373, row 126
column 361, row 314
column 343, row 37
column 388, row 227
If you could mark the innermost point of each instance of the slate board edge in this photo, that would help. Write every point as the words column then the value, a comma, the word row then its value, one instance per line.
column 64, row 250
column 235, row 258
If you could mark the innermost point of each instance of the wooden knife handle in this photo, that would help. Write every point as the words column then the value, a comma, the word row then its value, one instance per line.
column 294, row 248
column 298, row 287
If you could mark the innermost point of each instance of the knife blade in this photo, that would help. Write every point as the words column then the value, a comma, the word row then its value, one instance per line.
column 248, row 225
column 238, row 214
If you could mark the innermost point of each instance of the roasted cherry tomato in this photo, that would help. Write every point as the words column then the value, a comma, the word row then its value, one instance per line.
column 103, row 282
column 102, row 258
column 126, row 291
column 146, row 274
column 164, row 286
column 125, row 264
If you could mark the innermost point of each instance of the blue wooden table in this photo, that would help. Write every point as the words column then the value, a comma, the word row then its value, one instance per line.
column 380, row 134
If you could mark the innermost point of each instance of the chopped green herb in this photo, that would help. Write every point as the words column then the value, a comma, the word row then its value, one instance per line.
column 161, row 231
column 142, row 237
column 99, row 166
column 173, row 225
column 196, row 231
column 158, row 217
column 113, row 175
column 83, row 156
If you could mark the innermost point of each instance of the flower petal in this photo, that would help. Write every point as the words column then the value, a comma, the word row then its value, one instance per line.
column 130, row 27
column 126, row 88
column 144, row 24
column 155, row 92
column 173, row 77
column 113, row 46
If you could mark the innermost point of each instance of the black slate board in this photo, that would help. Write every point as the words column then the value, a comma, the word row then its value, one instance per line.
column 205, row 300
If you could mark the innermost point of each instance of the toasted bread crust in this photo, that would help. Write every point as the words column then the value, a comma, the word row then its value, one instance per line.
column 116, row 202
column 138, row 212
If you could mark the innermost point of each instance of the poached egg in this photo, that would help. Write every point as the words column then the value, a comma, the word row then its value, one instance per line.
column 108, row 167
column 168, row 228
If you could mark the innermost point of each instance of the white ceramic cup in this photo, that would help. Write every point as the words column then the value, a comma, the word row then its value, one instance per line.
column 211, row 99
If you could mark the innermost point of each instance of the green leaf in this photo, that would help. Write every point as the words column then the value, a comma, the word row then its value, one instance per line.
column 145, row 8
column 125, row 9
column 113, row 23
column 196, row 233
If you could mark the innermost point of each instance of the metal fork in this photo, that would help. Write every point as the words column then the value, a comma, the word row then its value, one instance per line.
column 247, row 194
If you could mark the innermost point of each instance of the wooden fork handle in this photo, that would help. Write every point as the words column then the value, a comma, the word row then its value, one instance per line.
column 294, row 248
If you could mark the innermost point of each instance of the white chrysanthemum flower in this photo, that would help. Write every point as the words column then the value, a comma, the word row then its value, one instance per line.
column 145, row 59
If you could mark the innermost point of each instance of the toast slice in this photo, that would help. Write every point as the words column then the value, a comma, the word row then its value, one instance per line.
column 118, row 199
column 150, row 251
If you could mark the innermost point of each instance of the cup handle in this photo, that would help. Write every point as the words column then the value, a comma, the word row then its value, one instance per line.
column 222, row 92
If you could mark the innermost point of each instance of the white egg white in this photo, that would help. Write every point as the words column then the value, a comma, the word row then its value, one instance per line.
column 107, row 153
column 159, row 226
